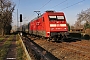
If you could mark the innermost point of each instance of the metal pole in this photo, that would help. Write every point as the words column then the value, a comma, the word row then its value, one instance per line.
column 20, row 26
column 17, row 19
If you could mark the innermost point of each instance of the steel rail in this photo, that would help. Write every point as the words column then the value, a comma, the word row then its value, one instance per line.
column 41, row 53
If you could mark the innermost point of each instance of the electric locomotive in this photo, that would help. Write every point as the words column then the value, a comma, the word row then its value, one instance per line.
column 51, row 25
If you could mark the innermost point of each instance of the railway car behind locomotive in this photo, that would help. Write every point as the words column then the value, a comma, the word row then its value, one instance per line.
column 51, row 25
column 25, row 28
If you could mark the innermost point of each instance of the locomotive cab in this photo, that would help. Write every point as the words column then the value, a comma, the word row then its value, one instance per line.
column 57, row 24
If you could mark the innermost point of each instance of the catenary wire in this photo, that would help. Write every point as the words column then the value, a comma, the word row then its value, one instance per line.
column 45, row 4
column 60, row 3
column 42, row 6
column 72, row 5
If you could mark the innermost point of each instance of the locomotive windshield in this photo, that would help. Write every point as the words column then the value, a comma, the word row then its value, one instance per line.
column 52, row 18
column 56, row 18
column 60, row 17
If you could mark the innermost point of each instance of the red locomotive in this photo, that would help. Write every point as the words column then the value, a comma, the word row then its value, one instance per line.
column 51, row 24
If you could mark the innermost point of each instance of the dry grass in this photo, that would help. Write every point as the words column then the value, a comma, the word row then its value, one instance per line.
column 20, row 52
column 1, row 39
column 4, row 49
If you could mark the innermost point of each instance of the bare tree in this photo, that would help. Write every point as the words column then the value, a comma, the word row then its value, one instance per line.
column 84, row 17
column 6, row 10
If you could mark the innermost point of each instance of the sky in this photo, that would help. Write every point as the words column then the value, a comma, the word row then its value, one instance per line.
column 70, row 8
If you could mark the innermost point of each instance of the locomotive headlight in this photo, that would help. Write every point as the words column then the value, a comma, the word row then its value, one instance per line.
column 62, row 24
column 65, row 28
column 52, row 25
column 48, row 33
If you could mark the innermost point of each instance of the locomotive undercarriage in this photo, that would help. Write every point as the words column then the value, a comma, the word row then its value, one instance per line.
column 58, row 36
column 54, row 36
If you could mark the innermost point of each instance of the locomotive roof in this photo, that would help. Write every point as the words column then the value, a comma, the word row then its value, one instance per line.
column 49, row 13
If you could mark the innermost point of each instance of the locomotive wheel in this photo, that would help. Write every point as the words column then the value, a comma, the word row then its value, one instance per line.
column 48, row 39
column 63, row 37
column 62, row 40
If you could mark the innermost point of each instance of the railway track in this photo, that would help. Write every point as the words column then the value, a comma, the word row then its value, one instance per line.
column 39, row 52
column 78, row 50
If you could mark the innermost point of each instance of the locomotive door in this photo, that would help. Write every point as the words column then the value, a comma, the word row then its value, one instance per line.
column 43, row 26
